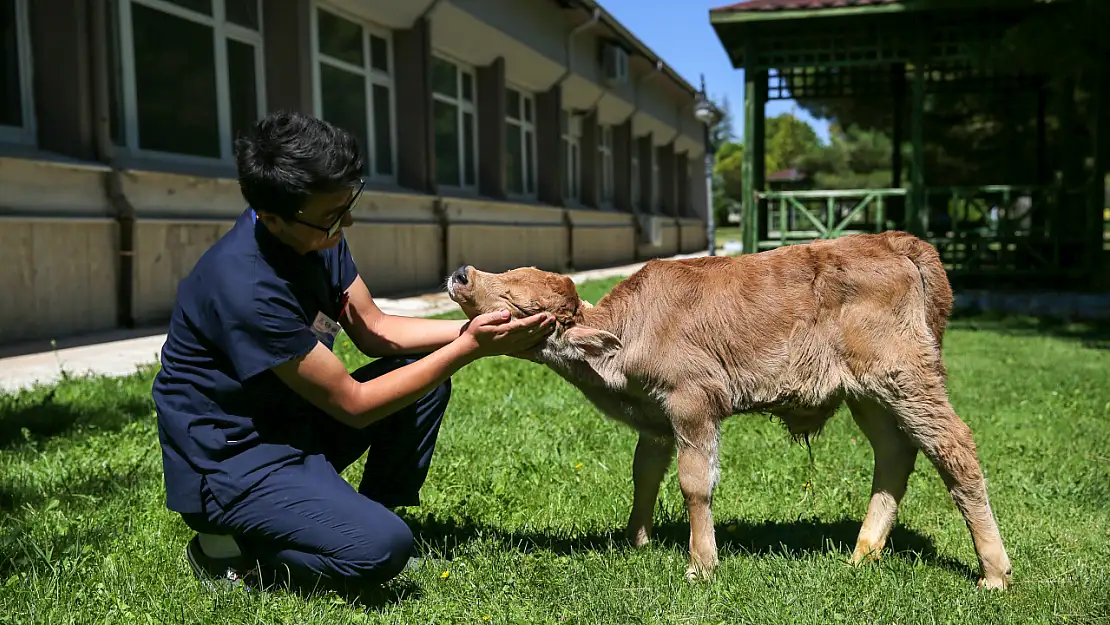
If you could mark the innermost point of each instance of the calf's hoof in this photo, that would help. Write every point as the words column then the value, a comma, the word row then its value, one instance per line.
column 695, row 575
column 866, row 553
column 700, row 572
column 995, row 582
column 638, row 537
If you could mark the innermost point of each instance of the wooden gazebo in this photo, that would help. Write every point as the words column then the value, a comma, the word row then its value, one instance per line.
column 1039, row 220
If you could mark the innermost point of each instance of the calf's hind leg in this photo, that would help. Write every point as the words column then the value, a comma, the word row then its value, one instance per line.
column 894, row 459
column 927, row 417
column 653, row 456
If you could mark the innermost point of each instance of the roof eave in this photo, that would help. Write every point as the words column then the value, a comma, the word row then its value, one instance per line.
column 642, row 48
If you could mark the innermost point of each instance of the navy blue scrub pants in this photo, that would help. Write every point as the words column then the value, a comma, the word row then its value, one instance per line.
column 306, row 523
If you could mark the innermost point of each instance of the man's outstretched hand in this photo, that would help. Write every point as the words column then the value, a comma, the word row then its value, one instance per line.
column 496, row 333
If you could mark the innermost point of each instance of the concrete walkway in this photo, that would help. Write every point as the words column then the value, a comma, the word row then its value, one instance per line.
column 121, row 352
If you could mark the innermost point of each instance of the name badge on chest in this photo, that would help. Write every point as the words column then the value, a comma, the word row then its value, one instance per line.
column 324, row 328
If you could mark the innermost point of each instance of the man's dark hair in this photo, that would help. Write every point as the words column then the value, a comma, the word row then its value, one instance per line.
column 289, row 156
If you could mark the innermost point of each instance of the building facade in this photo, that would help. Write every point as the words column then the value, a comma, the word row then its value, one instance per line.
column 498, row 133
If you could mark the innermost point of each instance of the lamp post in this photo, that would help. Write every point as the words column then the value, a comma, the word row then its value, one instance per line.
column 708, row 115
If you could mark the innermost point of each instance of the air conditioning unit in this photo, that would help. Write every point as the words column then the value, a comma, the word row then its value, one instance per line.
column 614, row 62
column 651, row 230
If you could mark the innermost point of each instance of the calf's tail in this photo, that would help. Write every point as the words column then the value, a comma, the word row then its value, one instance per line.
column 938, row 291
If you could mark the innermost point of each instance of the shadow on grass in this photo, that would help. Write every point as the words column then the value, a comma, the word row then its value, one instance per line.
column 784, row 538
column 19, row 554
column 1090, row 334
column 28, row 418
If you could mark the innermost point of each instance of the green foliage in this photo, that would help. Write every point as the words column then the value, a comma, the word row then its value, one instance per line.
column 728, row 164
column 530, row 488
column 728, row 180
column 788, row 139
column 854, row 159
column 723, row 131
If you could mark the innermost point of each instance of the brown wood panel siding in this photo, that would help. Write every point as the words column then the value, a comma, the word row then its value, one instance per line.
column 491, row 129
column 602, row 247
column 287, row 33
column 165, row 252
column 59, row 279
column 62, row 81
column 412, row 53
column 499, row 248
column 549, row 151
column 387, row 260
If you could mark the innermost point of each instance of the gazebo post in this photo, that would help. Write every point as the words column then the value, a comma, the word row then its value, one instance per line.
column 916, row 208
column 755, row 97
column 1096, row 199
column 897, row 212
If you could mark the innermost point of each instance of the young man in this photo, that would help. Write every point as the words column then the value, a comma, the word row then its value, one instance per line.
column 257, row 417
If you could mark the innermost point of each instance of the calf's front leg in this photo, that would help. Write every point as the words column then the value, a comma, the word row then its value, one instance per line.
column 653, row 457
column 697, row 431
column 697, row 477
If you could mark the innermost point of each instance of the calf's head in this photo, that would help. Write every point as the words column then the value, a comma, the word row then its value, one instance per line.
column 527, row 291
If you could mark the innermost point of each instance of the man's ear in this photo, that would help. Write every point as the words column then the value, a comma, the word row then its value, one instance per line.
column 593, row 342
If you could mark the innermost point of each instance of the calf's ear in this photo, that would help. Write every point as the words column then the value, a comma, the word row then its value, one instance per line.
column 583, row 304
column 593, row 342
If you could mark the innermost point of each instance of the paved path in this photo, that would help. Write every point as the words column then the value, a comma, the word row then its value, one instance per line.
column 120, row 352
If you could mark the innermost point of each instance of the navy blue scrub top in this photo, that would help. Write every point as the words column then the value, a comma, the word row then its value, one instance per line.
column 224, row 418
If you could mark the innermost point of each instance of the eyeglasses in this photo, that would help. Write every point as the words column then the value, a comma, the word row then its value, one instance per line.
column 335, row 225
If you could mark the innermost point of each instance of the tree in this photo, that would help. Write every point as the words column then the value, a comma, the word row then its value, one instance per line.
column 722, row 132
column 728, row 163
column 788, row 140
column 728, row 176
column 855, row 158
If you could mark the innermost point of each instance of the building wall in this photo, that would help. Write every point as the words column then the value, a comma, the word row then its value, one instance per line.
column 66, row 180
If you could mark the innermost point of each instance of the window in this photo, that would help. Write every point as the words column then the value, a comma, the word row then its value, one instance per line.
column 16, row 109
column 455, row 124
column 192, row 74
column 605, row 162
column 637, row 195
column 520, row 136
column 354, row 86
column 572, row 161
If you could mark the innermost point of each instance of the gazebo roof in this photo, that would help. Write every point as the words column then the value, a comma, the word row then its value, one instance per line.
column 796, row 5
column 875, row 33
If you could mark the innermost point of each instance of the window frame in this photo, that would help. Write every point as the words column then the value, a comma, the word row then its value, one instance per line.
column 571, row 137
column 222, row 30
column 27, row 132
column 523, row 127
column 606, row 175
column 371, row 76
column 461, row 108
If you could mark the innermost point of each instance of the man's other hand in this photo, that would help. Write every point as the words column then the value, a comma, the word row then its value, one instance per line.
column 495, row 333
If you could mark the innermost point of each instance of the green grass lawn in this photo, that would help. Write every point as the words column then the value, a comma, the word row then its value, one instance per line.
column 530, row 489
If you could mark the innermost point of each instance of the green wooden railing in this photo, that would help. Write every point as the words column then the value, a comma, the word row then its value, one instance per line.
column 825, row 214
column 983, row 230
column 996, row 229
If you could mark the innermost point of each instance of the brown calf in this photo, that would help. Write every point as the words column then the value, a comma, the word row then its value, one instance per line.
column 681, row 345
